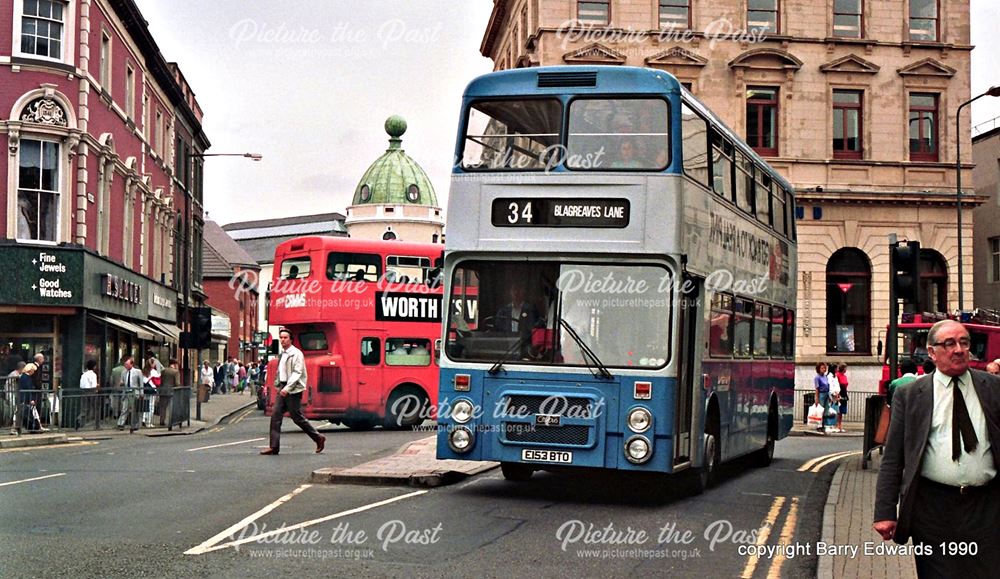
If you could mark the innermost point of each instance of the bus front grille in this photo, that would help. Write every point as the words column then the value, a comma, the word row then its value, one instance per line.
column 576, row 435
column 524, row 406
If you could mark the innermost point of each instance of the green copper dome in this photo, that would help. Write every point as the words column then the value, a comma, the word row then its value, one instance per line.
column 395, row 178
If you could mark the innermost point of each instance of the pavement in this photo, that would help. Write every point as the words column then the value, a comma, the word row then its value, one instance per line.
column 218, row 408
column 850, row 429
column 414, row 464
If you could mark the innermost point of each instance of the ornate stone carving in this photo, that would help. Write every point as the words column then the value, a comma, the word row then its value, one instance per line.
column 44, row 111
column 13, row 139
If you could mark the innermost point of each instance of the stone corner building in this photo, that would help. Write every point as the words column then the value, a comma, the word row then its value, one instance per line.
column 853, row 101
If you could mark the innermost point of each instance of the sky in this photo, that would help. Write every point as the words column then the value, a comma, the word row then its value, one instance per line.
column 309, row 83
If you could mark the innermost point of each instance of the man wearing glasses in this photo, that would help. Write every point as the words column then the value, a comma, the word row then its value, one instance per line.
column 940, row 464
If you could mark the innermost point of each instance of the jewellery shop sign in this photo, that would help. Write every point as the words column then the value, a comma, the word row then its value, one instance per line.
column 42, row 276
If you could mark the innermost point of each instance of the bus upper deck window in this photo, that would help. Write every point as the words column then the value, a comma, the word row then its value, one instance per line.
column 511, row 134
column 618, row 134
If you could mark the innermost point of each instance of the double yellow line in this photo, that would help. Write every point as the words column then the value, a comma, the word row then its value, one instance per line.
column 817, row 464
column 237, row 420
column 787, row 532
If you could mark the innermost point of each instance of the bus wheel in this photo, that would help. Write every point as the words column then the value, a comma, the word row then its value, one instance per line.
column 405, row 408
column 516, row 472
column 707, row 473
column 763, row 457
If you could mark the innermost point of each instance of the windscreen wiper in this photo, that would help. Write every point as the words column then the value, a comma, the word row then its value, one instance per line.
column 508, row 355
column 588, row 354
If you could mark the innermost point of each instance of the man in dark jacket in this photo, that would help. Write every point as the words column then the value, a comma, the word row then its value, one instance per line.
column 169, row 379
column 940, row 463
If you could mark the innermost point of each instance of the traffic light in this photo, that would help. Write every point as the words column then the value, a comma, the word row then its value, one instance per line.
column 201, row 328
column 906, row 268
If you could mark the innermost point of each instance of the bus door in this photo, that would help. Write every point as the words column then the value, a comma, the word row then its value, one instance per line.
column 368, row 369
column 689, row 380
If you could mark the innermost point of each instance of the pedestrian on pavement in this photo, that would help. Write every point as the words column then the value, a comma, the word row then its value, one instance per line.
column 16, row 372
column 28, row 399
column 155, row 361
column 169, row 379
column 89, row 399
column 132, row 395
column 822, row 385
column 220, row 377
column 942, row 452
column 150, row 382
column 841, row 377
column 909, row 369
column 39, row 364
column 291, row 383
column 207, row 380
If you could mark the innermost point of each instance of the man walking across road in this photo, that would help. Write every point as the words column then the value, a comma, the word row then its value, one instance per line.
column 290, row 384
column 940, row 463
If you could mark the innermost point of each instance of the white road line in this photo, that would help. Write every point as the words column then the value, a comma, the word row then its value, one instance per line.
column 295, row 527
column 809, row 464
column 226, row 444
column 17, row 482
column 818, row 467
column 204, row 547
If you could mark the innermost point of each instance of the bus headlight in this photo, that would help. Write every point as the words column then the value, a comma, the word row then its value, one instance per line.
column 461, row 411
column 460, row 440
column 639, row 419
column 638, row 450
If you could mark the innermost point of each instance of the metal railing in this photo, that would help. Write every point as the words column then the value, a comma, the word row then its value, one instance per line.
column 855, row 405
column 75, row 409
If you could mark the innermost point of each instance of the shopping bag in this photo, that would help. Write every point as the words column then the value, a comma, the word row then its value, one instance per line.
column 816, row 415
column 833, row 410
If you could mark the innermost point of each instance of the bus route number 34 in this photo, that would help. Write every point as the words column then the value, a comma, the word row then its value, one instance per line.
column 519, row 212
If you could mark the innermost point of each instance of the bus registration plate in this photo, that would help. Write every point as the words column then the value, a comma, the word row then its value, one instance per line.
column 561, row 456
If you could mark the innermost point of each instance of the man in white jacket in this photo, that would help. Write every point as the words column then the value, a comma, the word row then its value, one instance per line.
column 290, row 383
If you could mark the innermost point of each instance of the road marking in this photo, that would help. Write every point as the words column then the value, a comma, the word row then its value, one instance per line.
column 810, row 463
column 215, row 430
column 818, row 467
column 765, row 526
column 787, row 531
column 48, row 446
column 302, row 525
column 17, row 482
column 226, row 444
column 204, row 547
column 244, row 415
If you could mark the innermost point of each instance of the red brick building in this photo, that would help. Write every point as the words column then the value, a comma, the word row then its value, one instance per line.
column 230, row 280
column 102, row 182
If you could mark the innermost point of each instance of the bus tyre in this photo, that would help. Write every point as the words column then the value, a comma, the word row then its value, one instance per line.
column 708, row 474
column 405, row 409
column 763, row 457
column 516, row 472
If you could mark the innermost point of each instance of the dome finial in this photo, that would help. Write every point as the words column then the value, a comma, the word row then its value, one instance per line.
column 395, row 126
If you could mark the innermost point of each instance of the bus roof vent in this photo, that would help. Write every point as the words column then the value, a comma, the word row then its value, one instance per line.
column 567, row 79
column 297, row 246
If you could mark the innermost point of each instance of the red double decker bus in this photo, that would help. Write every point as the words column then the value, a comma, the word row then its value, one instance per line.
column 367, row 317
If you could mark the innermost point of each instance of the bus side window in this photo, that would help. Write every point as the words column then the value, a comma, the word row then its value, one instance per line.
column 722, row 166
column 371, row 351
column 721, row 329
column 760, row 333
column 790, row 334
column 741, row 330
column 777, row 331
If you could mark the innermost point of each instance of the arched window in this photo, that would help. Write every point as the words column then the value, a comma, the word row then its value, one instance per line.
column 933, row 282
column 848, row 302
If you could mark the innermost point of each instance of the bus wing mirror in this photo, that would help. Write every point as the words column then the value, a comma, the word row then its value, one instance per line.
column 437, row 351
column 880, row 348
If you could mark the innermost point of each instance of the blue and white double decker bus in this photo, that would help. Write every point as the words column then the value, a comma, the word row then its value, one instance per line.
column 620, row 271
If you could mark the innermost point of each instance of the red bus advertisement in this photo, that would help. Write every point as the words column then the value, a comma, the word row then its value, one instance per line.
column 367, row 317
column 984, row 332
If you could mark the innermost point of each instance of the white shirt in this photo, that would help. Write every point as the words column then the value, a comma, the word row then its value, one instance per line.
column 975, row 468
column 282, row 368
column 207, row 375
column 89, row 380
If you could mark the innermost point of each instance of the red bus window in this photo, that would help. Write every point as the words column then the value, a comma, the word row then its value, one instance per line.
column 295, row 268
column 407, row 352
column 313, row 341
column 353, row 266
column 371, row 351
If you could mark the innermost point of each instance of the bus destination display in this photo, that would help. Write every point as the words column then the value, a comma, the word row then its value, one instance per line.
column 560, row 212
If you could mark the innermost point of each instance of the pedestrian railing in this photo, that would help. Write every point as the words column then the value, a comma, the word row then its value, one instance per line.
column 804, row 398
column 76, row 409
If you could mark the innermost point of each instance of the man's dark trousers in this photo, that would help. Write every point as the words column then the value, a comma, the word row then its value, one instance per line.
column 947, row 517
column 293, row 405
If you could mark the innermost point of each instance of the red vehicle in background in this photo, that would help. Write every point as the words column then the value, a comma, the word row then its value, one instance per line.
column 984, row 332
column 367, row 317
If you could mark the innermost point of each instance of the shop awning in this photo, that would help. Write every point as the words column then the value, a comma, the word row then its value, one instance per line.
column 169, row 332
column 140, row 332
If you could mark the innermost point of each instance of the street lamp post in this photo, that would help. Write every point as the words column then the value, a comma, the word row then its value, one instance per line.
column 993, row 92
column 187, row 265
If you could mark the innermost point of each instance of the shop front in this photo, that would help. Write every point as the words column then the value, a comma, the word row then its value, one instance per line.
column 73, row 306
